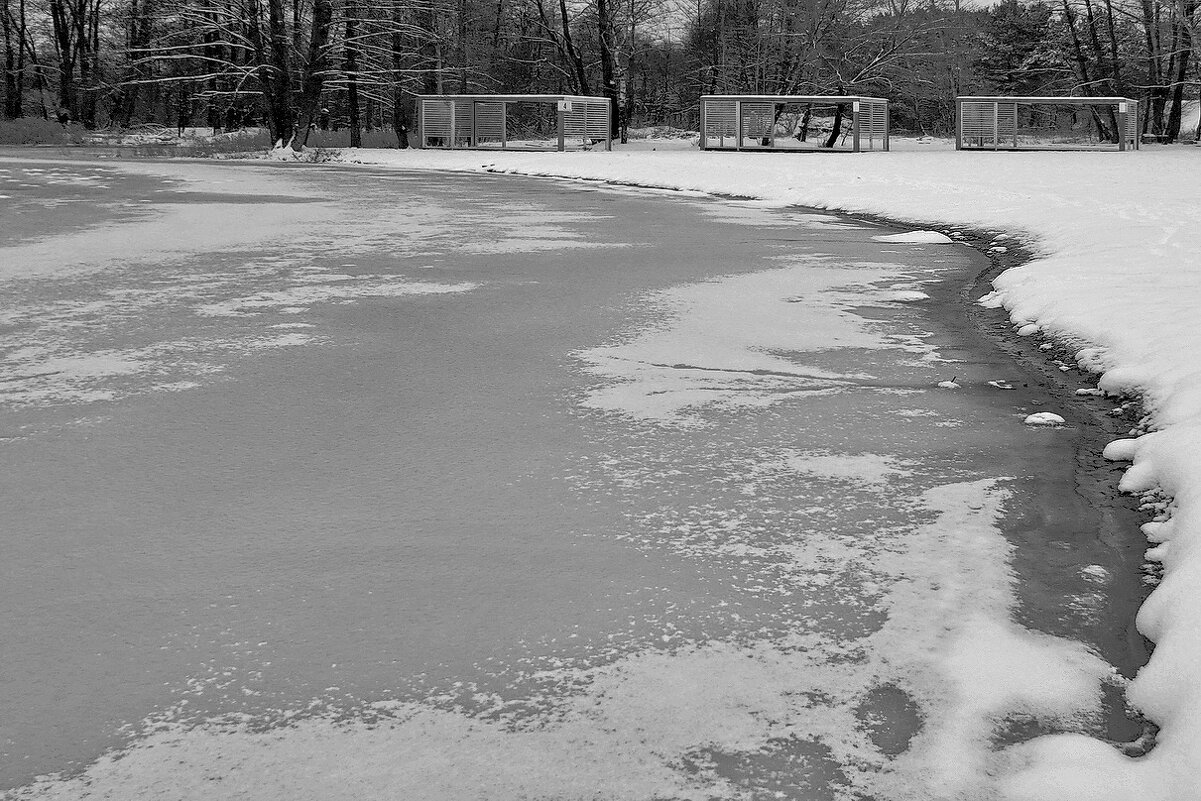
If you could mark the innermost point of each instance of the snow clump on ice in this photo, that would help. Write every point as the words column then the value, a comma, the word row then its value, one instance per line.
column 1044, row 419
column 916, row 238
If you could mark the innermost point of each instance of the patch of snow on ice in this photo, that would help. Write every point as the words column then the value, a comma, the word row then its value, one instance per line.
column 904, row 295
column 767, row 214
column 916, row 238
column 868, row 469
column 312, row 292
column 716, row 342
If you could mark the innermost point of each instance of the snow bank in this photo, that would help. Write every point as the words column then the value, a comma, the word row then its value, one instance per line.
column 1115, row 237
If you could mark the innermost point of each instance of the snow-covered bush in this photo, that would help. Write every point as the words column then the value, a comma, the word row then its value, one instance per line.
column 35, row 131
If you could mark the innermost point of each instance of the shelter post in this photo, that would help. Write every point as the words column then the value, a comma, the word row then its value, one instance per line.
column 854, row 127
column 738, row 125
column 959, row 127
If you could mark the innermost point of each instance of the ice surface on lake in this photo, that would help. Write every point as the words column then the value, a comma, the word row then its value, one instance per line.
column 891, row 610
column 1115, row 270
column 651, row 724
column 89, row 345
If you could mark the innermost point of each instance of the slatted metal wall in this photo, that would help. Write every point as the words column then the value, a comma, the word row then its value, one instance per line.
column 721, row 121
column 436, row 119
column 1132, row 133
column 872, row 117
column 988, row 123
column 489, row 122
column 464, row 122
column 587, row 120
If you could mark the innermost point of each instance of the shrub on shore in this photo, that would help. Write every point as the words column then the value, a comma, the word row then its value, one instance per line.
column 36, row 131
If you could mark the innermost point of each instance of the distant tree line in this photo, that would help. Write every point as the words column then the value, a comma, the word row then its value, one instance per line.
column 292, row 65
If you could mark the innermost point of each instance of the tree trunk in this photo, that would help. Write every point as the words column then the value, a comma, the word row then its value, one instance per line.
column 64, row 42
column 832, row 139
column 12, row 73
column 1082, row 66
column 400, row 116
column 277, row 75
column 351, row 66
column 1183, row 46
column 1157, row 93
column 1172, row 129
column 314, row 72
column 573, row 55
column 803, row 134
column 89, row 61
column 604, row 23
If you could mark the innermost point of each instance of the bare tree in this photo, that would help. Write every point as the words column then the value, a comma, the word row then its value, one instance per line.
column 15, row 27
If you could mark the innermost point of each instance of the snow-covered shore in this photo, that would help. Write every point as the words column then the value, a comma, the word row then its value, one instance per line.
column 1116, row 275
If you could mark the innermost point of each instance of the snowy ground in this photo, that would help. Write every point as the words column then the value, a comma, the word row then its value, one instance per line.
column 1116, row 276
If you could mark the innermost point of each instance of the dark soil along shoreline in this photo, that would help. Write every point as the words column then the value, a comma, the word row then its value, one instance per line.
column 1069, row 514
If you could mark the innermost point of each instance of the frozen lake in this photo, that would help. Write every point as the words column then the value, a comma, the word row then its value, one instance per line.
column 336, row 482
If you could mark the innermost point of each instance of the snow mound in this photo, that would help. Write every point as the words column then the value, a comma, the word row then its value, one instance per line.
column 1044, row 419
column 917, row 238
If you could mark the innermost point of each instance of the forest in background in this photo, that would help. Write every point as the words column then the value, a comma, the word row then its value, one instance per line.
column 296, row 65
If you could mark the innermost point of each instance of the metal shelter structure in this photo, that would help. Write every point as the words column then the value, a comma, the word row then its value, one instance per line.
column 729, row 121
column 993, row 122
column 484, row 121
